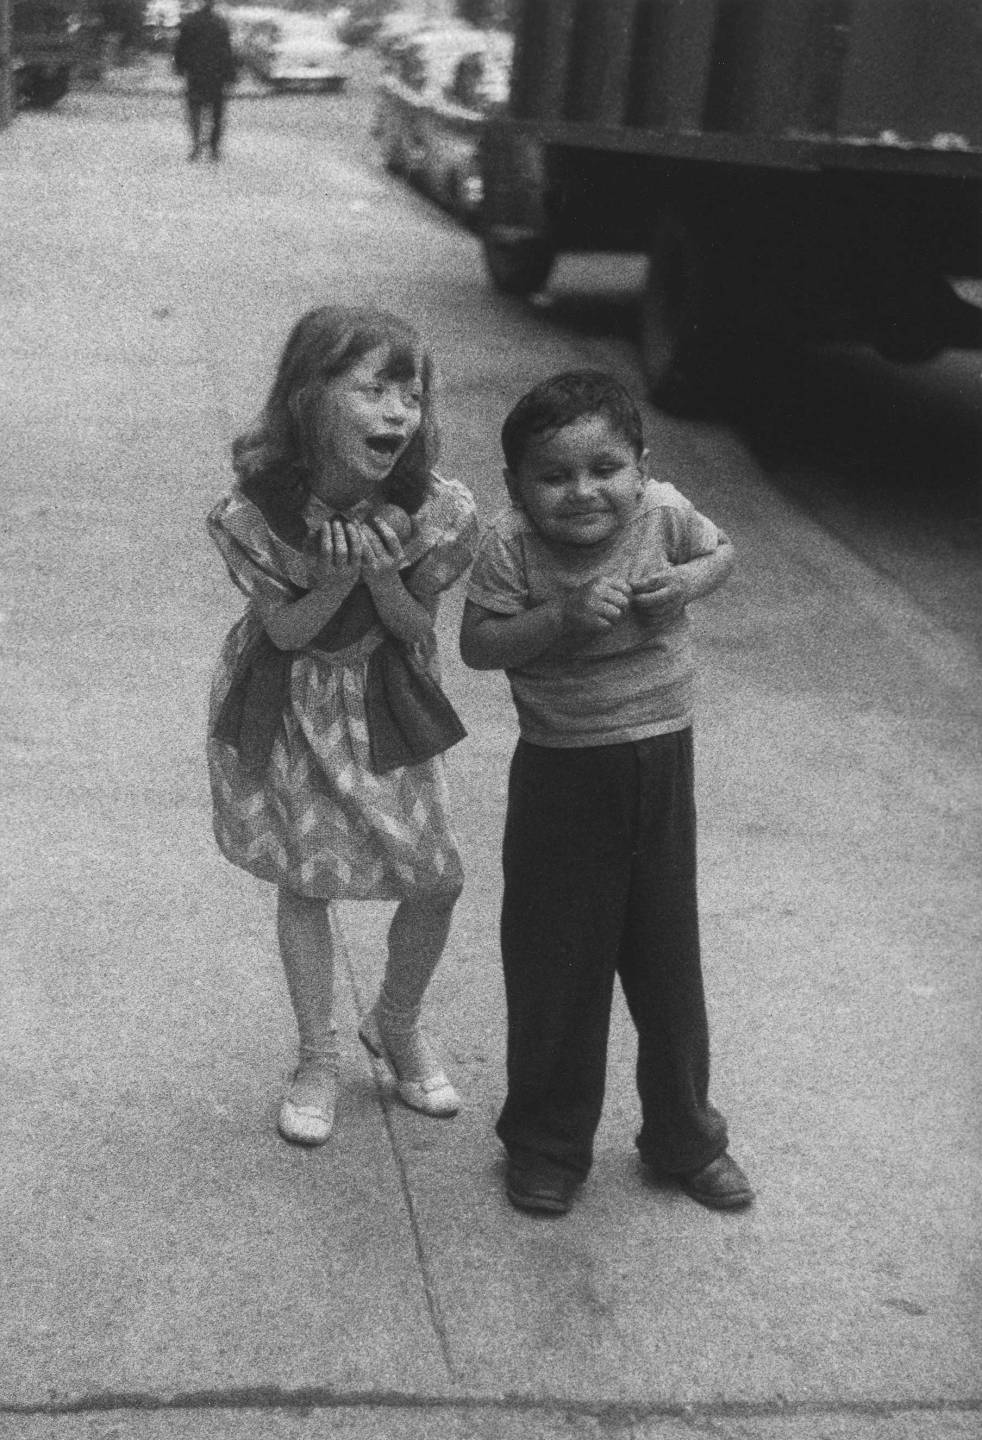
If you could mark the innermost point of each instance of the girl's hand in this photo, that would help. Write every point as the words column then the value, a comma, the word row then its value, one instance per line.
column 596, row 608
column 342, row 554
column 382, row 551
column 661, row 598
column 394, row 516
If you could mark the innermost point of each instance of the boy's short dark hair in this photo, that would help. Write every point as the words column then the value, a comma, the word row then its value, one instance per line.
column 564, row 398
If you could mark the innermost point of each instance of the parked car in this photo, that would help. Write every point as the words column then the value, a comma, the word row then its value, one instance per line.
column 364, row 20
column 290, row 51
column 161, row 21
column 49, row 42
column 437, row 88
column 452, row 125
column 247, row 23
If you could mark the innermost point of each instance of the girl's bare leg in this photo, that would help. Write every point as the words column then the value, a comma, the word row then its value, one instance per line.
column 309, row 940
column 417, row 937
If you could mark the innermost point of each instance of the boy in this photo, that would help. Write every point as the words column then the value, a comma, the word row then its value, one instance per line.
column 579, row 593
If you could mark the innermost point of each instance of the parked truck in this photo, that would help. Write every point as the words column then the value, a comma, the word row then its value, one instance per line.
column 802, row 167
column 51, row 39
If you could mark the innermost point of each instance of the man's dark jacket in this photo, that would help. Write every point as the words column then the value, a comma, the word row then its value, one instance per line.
column 203, row 53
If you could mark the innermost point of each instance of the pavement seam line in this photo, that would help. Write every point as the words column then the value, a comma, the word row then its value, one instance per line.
column 434, row 1309
column 260, row 1398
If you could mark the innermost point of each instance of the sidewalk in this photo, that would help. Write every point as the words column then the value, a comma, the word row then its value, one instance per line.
column 152, row 74
column 171, row 1268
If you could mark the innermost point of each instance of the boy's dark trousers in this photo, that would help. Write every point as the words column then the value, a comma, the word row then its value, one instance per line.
column 600, row 879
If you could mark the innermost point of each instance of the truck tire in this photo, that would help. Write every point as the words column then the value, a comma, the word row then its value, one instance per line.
column 390, row 149
column 41, row 89
column 676, row 308
column 923, row 318
column 464, row 193
column 518, row 265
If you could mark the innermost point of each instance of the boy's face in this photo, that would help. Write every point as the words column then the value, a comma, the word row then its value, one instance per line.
column 581, row 484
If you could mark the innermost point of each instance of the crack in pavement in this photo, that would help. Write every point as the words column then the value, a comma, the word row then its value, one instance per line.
column 427, row 1278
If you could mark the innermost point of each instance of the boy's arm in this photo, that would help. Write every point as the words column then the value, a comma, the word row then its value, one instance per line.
column 664, row 596
column 492, row 641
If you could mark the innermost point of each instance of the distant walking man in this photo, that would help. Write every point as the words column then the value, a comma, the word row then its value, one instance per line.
column 203, row 55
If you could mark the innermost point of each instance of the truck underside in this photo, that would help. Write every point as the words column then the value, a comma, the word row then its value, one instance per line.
column 811, row 167
column 825, row 254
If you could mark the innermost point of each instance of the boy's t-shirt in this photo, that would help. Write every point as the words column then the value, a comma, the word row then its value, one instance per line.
column 630, row 683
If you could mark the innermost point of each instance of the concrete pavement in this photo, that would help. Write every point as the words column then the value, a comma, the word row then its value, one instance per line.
column 169, row 1266
column 151, row 73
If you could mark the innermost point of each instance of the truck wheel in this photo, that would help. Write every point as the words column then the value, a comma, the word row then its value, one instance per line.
column 465, row 192
column 46, row 96
column 676, row 308
column 517, row 265
column 919, row 320
column 909, row 344
column 389, row 149
column 43, row 91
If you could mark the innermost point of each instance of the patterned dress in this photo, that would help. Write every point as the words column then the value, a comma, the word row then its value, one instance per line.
column 316, row 819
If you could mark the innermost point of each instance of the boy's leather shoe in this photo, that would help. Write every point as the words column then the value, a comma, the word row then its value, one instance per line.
column 721, row 1184
column 539, row 1187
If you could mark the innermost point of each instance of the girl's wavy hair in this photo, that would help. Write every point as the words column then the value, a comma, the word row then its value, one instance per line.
column 273, row 458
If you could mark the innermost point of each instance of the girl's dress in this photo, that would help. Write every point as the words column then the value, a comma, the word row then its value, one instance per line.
column 315, row 818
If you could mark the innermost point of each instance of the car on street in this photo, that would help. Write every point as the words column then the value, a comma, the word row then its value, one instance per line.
column 366, row 21
column 247, row 24
column 452, row 125
column 287, row 50
column 437, row 89
column 161, row 21
column 49, row 41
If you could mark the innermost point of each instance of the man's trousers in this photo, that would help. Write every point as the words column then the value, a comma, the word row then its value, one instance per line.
column 198, row 100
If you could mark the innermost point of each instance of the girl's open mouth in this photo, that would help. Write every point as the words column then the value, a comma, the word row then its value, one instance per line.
column 388, row 445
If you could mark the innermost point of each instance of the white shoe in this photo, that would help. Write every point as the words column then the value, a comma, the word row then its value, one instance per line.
column 307, row 1114
column 422, row 1084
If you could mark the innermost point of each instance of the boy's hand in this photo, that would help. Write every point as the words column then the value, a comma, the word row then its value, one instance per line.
column 342, row 548
column 661, row 598
column 596, row 608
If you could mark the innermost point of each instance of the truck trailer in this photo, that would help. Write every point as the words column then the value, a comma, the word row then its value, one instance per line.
column 805, row 168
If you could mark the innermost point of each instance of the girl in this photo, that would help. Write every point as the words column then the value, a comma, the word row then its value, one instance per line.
column 326, row 723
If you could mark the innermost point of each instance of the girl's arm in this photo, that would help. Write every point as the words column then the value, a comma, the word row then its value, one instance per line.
column 403, row 615
column 295, row 625
column 338, row 571
column 492, row 641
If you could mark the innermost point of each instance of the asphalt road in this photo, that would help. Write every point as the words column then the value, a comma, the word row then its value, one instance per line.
column 170, row 1268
